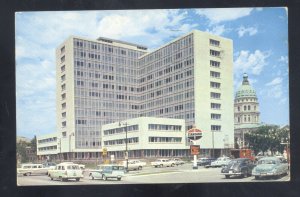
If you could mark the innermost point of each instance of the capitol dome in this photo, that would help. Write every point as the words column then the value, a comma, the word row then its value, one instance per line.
column 245, row 90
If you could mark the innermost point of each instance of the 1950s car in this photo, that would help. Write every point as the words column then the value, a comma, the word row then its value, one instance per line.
column 221, row 161
column 65, row 171
column 270, row 167
column 238, row 167
column 107, row 171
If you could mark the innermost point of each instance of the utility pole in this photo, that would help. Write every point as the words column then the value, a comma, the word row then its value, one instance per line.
column 126, row 143
column 60, row 150
column 213, row 144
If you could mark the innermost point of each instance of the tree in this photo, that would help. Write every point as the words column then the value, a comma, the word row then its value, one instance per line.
column 267, row 137
column 21, row 151
column 33, row 143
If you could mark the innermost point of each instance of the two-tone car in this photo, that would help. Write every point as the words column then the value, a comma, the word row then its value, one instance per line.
column 107, row 171
column 163, row 163
column 270, row 167
column 30, row 169
column 220, row 162
column 205, row 161
column 238, row 167
column 178, row 161
column 134, row 164
column 65, row 171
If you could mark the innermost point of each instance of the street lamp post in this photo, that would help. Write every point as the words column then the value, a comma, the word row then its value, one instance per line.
column 126, row 143
column 72, row 134
column 213, row 144
column 60, row 150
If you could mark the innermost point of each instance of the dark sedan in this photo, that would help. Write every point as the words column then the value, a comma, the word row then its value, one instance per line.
column 205, row 161
column 238, row 167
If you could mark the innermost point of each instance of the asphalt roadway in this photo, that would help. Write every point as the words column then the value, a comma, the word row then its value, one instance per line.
column 151, row 175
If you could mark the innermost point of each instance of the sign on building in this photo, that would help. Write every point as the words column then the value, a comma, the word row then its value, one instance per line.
column 195, row 149
column 194, row 134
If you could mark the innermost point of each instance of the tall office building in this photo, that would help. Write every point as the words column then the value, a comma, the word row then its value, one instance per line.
column 104, row 81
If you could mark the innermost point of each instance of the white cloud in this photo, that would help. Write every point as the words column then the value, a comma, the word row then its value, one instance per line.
column 218, row 30
column 152, row 27
column 252, row 63
column 284, row 59
column 218, row 15
column 39, row 33
column 243, row 31
column 275, row 91
column 276, row 81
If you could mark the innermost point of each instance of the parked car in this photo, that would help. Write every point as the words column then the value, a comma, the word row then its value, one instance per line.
column 238, row 167
column 65, row 171
column 270, row 166
column 30, row 169
column 107, row 171
column 178, row 161
column 221, row 161
column 134, row 164
column 49, row 165
column 205, row 161
column 163, row 163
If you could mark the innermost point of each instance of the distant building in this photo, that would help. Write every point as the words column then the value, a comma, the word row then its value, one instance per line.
column 30, row 152
column 246, row 111
column 23, row 139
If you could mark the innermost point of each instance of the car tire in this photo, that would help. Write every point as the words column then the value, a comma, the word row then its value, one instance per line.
column 244, row 174
column 119, row 179
column 104, row 177
column 227, row 176
column 77, row 179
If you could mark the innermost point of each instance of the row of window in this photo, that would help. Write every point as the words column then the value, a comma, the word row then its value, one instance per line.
column 121, row 130
column 52, row 139
column 243, row 100
column 169, row 49
column 88, row 143
column 164, row 127
column 164, row 139
column 247, row 107
column 247, row 119
column 106, row 48
column 213, row 42
column 48, row 148
column 133, row 140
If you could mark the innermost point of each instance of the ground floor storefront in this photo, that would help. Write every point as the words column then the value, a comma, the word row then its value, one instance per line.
column 148, row 154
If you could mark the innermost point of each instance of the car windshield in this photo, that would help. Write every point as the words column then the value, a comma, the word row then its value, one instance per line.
column 266, row 162
column 234, row 162
column 72, row 167
column 118, row 168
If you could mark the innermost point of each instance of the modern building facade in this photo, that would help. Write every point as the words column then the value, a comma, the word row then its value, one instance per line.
column 147, row 137
column 105, row 81
column 246, row 111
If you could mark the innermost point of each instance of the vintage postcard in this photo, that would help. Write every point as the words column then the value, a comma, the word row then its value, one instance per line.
column 152, row 96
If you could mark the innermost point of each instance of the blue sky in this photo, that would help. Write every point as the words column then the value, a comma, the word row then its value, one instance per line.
column 260, row 37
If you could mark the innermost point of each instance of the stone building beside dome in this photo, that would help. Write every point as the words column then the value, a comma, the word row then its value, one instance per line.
column 246, row 111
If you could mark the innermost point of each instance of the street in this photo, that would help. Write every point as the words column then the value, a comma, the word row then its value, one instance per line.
column 180, row 174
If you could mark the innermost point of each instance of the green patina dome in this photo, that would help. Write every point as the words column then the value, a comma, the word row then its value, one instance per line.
column 245, row 90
